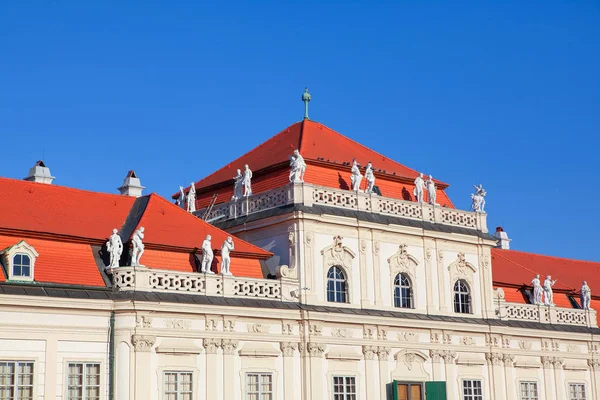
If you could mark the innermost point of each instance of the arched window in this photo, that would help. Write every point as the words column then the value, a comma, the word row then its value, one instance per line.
column 336, row 285
column 403, row 296
column 462, row 297
column 21, row 265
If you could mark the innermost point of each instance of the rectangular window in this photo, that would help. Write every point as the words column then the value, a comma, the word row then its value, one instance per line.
column 259, row 386
column 16, row 380
column 577, row 391
column 83, row 381
column 177, row 385
column 472, row 390
column 344, row 388
column 529, row 391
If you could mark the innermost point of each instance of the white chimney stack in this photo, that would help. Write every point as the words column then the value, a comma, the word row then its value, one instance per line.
column 131, row 185
column 503, row 240
column 40, row 173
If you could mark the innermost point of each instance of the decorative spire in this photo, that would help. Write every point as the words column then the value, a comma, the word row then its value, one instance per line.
column 306, row 99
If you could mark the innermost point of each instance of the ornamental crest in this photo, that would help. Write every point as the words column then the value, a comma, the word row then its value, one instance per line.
column 338, row 254
column 401, row 261
column 461, row 269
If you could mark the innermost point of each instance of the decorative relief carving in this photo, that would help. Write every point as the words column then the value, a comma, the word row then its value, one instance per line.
column 381, row 333
column 506, row 342
column 288, row 348
column 363, row 246
column 467, row 341
column 461, row 269
column 440, row 257
column 376, row 248
column 440, row 337
column 177, row 324
column 383, row 352
column 509, row 360
column 369, row 351
column 369, row 332
column 494, row 358
column 447, row 338
column 428, row 252
column 337, row 254
column 143, row 343
column 308, row 238
column 408, row 337
column 291, row 238
column 341, row 332
column 315, row 329
column 438, row 355
column 593, row 347
column 524, row 344
column 287, row 328
column 409, row 359
column 550, row 345
column 402, row 262
column 143, row 321
column 492, row 340
column 229, row 345
column 499, row 294
column 211, row 324
column 593, row 363
column 486, row 261
column 315, row 349
column 552, row 362
column 572, row 348
column 212, row 345
column 259, row 328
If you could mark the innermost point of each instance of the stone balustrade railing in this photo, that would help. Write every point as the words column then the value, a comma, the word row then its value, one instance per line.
column 155, row 280
column 547, row 314
column 309, row 195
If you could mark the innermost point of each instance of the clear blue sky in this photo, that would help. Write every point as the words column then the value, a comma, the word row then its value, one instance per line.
column 503, row 94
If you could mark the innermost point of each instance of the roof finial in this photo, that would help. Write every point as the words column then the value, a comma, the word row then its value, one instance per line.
column 306, row 99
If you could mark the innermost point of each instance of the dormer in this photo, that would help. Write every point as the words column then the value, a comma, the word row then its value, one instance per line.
column 20, row 261
column 40, row 173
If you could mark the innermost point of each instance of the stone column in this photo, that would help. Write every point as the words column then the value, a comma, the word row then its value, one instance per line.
column 363, row 272
column 549, row 386
column 287, row 351
column 437, row 367
column 317, row 377
column 143, row 365
column 384, row 374
column 451, row 372
column 559, row 378
column 594, row 368
column 229, row 346
column 371, row 371
column 441, row 285
column 429, row 280
column 496, row 363
column 510, row 377
column 376, row 274
column 211, row 347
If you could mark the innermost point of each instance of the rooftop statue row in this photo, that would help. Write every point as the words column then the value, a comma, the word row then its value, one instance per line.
column 114, row 246
column 242, row 183
column 188, row 201
column 356, row 177
column 546, row 291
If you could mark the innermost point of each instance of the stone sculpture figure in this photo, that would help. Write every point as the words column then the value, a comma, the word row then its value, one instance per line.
column 226, row 261
column 431, row 191
column 207, row 256
column 247, row 181
column 191, row 199
column 478, row 198
column 586, row 296
column 237, row 186
column 419, row 188
column 298, row 167
column 138, row 246
column 537, row 290
column 356, row 176
column 548, row 295
column 370, row 177
column 181, row 200
column 114, row 246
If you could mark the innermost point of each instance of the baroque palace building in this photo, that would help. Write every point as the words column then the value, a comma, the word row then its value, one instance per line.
column 347, row 277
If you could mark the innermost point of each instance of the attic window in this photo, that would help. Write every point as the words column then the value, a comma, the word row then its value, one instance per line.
column 20, row 261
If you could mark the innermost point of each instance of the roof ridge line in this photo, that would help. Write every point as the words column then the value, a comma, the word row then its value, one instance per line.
column 555, row 257
column 61, row 187
column 530, row 270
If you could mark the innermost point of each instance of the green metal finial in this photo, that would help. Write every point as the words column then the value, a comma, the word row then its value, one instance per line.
column 306, row 99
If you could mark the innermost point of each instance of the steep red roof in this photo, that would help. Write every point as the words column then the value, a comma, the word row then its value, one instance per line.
column 325, row 151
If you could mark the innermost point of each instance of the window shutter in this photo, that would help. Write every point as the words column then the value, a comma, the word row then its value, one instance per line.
column 435, row 390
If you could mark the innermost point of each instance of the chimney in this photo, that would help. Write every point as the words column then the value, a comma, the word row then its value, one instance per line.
column 40, row 173
column 131, row 185
column 503, row 240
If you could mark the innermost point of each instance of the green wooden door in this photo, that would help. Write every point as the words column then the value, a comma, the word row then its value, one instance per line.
column 435, row 390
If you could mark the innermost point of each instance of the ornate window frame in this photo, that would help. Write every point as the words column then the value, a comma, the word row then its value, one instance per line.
column 462, row 269
column 411, row 288
column 9, row 254
column 402, row 262
column 338, row 255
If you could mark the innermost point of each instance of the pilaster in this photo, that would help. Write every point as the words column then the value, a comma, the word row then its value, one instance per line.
column 371, row 371
column 211, row 347
column 288, row 349
column 142, row 345
column 315, row 352
column 229, row 347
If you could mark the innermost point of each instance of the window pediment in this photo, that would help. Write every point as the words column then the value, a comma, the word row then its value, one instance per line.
column 20, row 261
column 403, row 262
column 338, row 254
column 461, row 269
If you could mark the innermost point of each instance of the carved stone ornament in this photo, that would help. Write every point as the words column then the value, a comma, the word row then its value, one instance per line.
column 525, row 344
column 291, row 239
column 338, row 254
column 369, row 332
column 315, row 349
column 211, row 324
column 177, row 324
column 229, row 345
column 461, row 269
column 212, row 345
column 228, row 324
column 402, row 262
column 552, row 362
column 369, row 351
column 499, row 294
column 143, row 343
column 438, row 355
column 509, row 360
column 383, row 352
column 284, row 271
column 428, row 252
column 376, row 248
column 494, row 358
column 363, row 246
column 287, row 328
column 408, row 337
column 259, row 328
column 593, row 363
column 467, row 341
column 382, row 333
column 308, row 238
column 315, row 329
column 572, row 348
column 143, row 321
column 288, row 348
column 340, row 332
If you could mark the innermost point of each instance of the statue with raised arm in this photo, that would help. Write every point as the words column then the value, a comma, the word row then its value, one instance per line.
column 370, row 177
column 207, row 256
column 237, row 186
column 247, row 181
column 226, row 259
column 478, row 199
column 356, row 176
column 586, row 296
column 191, row 199
column 537, row 290
column 114, row 246
column 138, row 246
column 298, row 167
column 548, row 295
column 181, row 199
column 419, row 188
column 431, row 191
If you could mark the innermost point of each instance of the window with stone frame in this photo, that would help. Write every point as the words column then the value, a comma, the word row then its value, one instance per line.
column 337, row 285
column 577, row 391
column 344, row 388
column 472, row 389
column 178, row 385
column 20, row 261
column 16, row 380
column 529, row 391
column 462, row 297
column 403, row 293
column 83, row 381
column 259, row 386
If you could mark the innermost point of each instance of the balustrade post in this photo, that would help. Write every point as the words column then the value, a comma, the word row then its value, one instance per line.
column 141, row 280
column 304, row 194
column 227, row 285
column 211, row 285
column 437, row 214
column 552, row 314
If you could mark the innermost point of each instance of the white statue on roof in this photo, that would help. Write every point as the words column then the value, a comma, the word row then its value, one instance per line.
column 207, row 256
column 370, row 177
column 478, row 198
column 548, row 295
column 356, row 176
column 247, row 181
column 537, row 290
column 181, row 200
column 114, row 246
column 586, row 296
column 138, row 246
column 226, row 259
column 191, row 199
column 419, row 188
column 237, row 185
column 431, row 191
column 298, row 167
